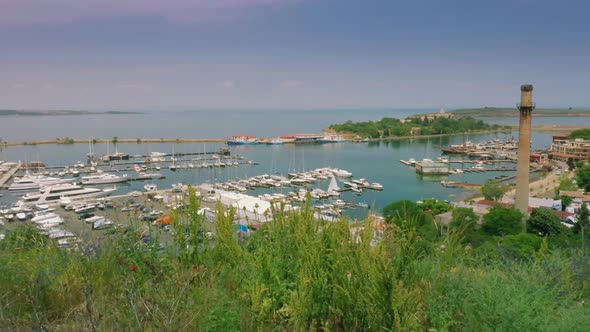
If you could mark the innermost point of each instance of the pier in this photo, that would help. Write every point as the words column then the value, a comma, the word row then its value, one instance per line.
column 8, row 175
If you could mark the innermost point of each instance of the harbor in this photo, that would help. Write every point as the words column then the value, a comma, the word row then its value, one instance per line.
column 262, row 175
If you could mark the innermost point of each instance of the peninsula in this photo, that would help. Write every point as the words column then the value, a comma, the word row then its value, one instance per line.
column 415, row 126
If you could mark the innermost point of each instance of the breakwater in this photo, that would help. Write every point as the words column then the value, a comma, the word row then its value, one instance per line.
column 115, row 140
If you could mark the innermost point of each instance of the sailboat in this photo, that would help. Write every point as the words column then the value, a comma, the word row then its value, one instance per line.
column 333, row 189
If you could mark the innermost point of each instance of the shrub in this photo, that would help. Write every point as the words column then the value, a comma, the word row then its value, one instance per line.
column 502, row 221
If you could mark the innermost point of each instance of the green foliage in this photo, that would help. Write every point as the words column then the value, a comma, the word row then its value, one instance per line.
column 492, row 191
column 502, row 221
column 583, row 217
column 434, row 206
column 580, row 133
column 583, row 178
column 395, row 128
column 543, row 221
column 115, row 140
column 566, row 184
column 565, row 202
column 400, row 210
column 463, row 217
column 294, row 274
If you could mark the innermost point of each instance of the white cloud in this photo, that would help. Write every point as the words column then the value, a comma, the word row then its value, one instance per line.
column 291, row 84
column 229, row 84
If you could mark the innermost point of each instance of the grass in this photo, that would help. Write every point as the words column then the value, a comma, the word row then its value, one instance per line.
column 294, row 274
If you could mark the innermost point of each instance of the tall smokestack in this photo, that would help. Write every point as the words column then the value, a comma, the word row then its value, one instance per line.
column 526, row 106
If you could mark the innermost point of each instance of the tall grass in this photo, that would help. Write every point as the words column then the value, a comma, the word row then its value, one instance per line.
column 296, row 273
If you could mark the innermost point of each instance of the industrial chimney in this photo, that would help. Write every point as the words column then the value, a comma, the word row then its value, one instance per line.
column 526, row 106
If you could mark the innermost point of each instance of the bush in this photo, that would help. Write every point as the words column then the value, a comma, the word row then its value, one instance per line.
column 543, row 221
column 502, row 221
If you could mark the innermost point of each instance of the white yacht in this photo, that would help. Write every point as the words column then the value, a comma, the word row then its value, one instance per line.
column 104, row 179
column 66, row 190
column 31, row 182
column 341, row 173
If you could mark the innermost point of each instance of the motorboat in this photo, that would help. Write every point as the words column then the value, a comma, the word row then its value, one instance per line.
column 104, row 179
column 375, row 186
column 66, row 190
column 361, row 182
column 30, row 182
column 341, row 173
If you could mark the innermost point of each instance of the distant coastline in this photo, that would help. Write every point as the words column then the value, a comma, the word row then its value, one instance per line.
column 513, row 112
column 8, row 112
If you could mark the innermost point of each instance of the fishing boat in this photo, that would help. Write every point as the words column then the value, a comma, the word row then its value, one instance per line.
column 243, row 139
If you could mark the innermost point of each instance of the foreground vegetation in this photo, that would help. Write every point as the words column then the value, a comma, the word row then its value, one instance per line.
column 390, row 127
column 295, row 274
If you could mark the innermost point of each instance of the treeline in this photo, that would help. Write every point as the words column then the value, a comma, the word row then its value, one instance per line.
column 294, row 274
column 580, row 133
column 391, row 127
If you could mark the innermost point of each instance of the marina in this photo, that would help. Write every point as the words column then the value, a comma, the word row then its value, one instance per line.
column 287, row 174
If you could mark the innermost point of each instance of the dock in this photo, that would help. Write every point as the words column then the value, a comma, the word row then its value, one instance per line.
column 464, row 185
column 8, row 175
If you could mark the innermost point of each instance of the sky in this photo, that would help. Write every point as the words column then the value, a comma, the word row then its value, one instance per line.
column 291, row 54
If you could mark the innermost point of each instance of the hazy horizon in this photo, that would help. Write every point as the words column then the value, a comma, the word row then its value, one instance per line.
column 291, row 54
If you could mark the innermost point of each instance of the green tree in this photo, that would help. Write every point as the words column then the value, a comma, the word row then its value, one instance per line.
column 584, row 177
column 492, row 191
column 463, row 217
column 565, row 202
column 434, row 206
column 403, row 209
column 502, row 221
column 543, row 221
column 583, row 217
column 115, row 139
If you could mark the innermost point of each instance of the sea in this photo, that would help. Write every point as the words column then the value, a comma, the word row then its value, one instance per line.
column 374, row 161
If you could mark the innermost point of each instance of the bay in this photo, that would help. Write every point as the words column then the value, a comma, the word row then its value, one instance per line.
column 375, row 161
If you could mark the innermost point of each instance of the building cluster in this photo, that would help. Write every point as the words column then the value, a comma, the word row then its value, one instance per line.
column 564, row 149
column 440, row 114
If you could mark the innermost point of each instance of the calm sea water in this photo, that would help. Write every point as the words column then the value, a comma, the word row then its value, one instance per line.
column 185, row 124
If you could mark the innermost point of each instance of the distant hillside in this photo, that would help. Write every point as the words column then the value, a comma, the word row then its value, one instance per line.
column 55, row 112
column 499, row 111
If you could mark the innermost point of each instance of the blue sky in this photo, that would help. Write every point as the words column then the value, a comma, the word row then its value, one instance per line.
column 291, row 54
